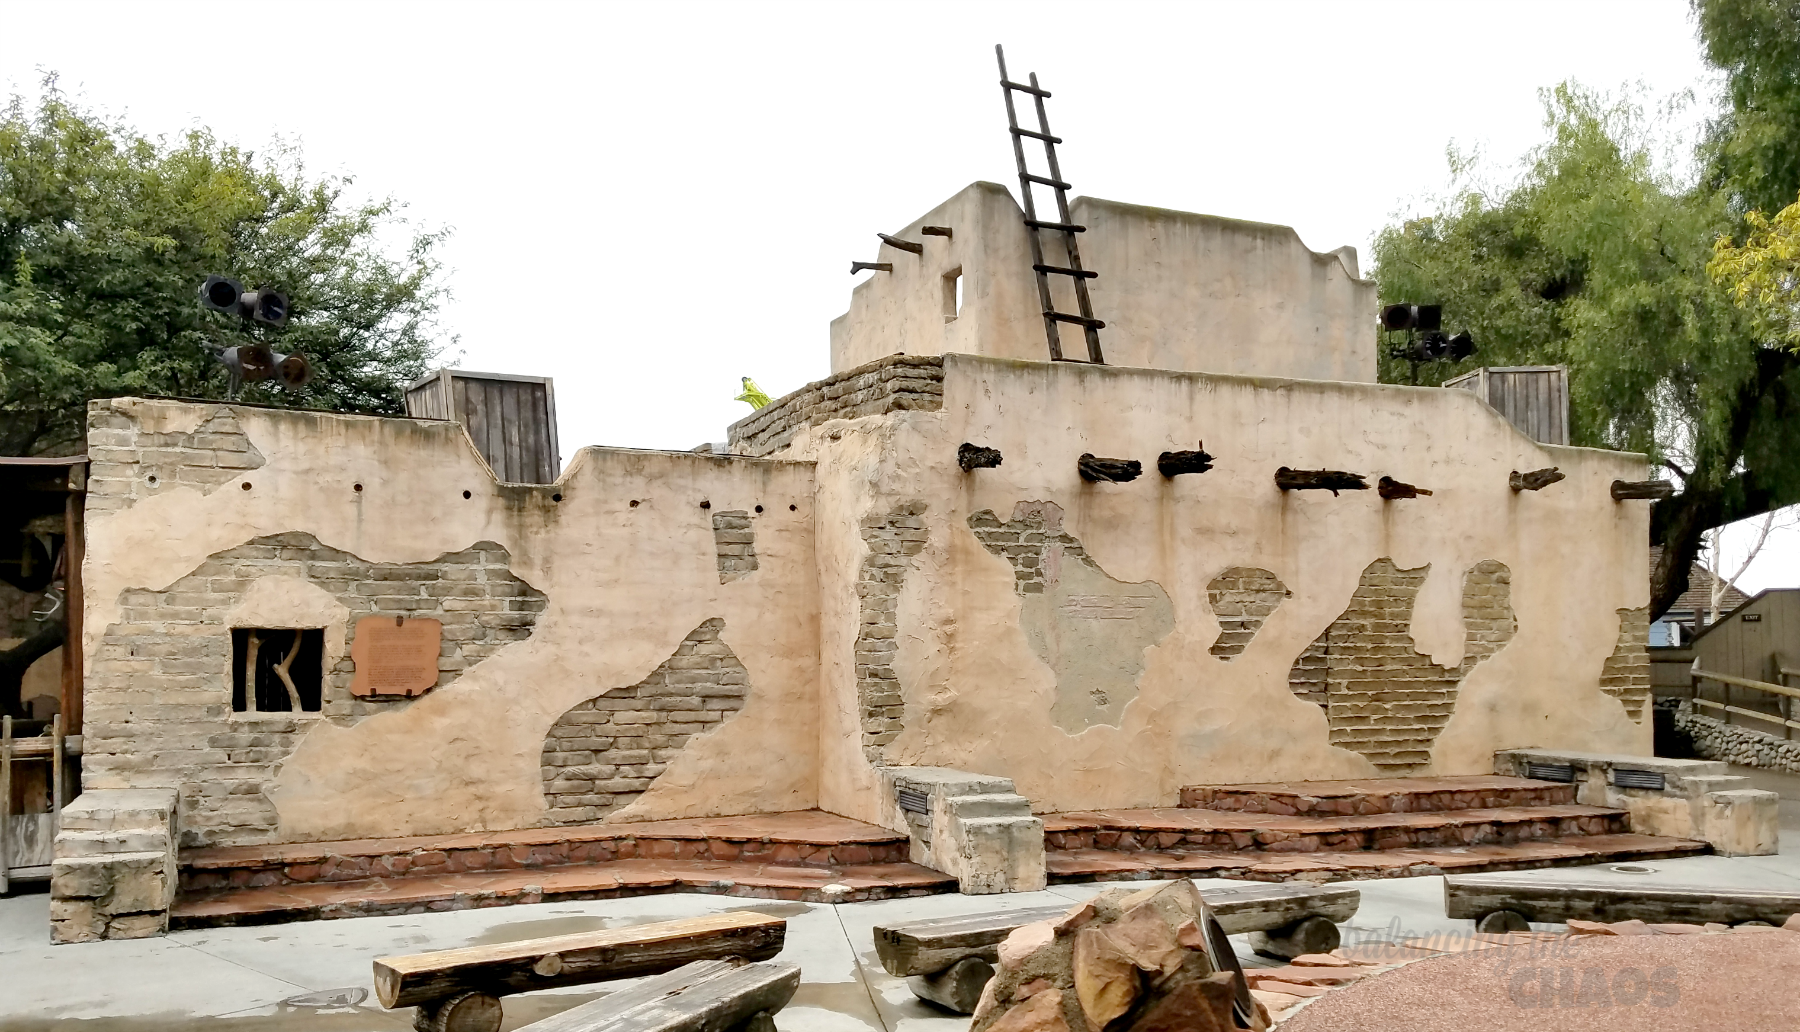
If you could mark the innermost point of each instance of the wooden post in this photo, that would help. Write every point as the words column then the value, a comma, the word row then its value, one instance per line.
column 1175, row 463
column 74, row 550
column 1332, row 480
column 1116, row 471
column 1537, row 479
column 56, row 774
column 1652, row 489
column 6, row 758
column 1391, row 489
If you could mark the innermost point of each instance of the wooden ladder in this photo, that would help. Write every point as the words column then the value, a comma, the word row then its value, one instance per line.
column 1090, row 326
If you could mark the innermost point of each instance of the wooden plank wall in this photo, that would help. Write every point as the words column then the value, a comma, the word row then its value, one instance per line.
column 512, row 420
column 1533, row 398
column 1748, row 648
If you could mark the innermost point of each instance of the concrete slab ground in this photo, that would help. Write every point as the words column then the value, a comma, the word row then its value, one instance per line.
column 315, row 976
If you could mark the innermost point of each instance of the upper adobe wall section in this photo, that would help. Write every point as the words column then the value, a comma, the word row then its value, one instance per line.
column 1177, row 291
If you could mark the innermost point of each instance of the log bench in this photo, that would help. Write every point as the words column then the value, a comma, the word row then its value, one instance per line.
column 459, row 990
column 705, row 996
column 949, row 960
column 1506, row 903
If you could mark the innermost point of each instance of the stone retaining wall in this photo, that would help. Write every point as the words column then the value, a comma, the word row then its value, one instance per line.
column 1716, row 740
column 893, row 384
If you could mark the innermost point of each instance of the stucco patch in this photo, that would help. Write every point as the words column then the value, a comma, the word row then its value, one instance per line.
column 1090, row 629
column 604, row 753
column 1242, row 598
column 160, row 685
column 133, row 459
column 1626, row 673
column 1383, row 698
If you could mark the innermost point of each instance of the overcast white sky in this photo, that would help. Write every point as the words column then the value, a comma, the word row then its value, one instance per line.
column 652, row 200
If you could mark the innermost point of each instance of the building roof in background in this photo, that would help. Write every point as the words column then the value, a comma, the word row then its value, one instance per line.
column 1698, row 597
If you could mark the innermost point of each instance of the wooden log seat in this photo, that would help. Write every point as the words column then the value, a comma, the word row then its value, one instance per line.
column 705, row 996
column 1499, row 902
column 458, row 990
column 948, row 960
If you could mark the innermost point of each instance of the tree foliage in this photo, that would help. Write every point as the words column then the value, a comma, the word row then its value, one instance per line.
column 1596, row 258
column 105, row 237
column 1763, row 272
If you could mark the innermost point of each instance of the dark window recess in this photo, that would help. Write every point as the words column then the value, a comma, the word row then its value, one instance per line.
column 259, row 658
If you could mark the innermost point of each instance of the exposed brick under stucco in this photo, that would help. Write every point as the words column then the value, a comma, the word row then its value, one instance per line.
column 605, row 752
column 1626, row 673
column 892, row 384
column 893, row 538
column 1242, row 598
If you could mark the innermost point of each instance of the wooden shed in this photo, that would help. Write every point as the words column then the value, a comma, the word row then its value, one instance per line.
column 1533, row 398
column 1756, row 643
column 511, row 419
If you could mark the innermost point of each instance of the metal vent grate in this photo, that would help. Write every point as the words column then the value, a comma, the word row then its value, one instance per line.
column 1651, row 779
column 912, row 801
column 1564, row 772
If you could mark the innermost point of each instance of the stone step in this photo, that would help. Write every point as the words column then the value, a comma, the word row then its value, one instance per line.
column 120, row 809
column 70, row 844
column 995, row 804
column 803, row 838
column 1378, row 795
column 1188, row 828
column 1111, row 865
column 635, row 877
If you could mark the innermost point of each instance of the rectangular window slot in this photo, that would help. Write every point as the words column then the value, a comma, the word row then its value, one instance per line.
column 257, row 684
column 953, row 293
column 1564, row 772
column 1650, row 779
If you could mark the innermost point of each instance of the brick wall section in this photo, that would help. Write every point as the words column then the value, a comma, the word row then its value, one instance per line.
column 893, row 538
column 734, row 536
column 894, row 384
column 1626, row 673
column 1242, row 598
column 159, row 690
column 1382, row 697
column 607, row 751
column 1033, row 541
column 129, row 463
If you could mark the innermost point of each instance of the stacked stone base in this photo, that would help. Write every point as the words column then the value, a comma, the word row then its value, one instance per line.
column 1717, row 740
column 114, row 872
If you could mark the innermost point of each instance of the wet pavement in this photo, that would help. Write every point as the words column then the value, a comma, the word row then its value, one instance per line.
column 315, row 976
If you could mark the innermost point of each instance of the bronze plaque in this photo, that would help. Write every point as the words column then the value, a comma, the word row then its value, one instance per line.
column 395, row 655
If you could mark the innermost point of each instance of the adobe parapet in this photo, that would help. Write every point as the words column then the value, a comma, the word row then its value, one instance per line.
column 1177, row 291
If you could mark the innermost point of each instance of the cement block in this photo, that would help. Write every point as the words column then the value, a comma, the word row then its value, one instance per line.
column 1744, row 822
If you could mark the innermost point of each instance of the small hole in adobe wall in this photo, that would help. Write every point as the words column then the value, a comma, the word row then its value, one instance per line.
column 466, row 494
column 151, row 480
column 557, row 497
column 793, row 508
column 705, row 505
column 356, row 487
column 634, row 503
column 246, row 485
column 759, row 508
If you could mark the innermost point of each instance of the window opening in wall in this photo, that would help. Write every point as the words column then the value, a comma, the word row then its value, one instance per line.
column 277, row 669
column 953, row 293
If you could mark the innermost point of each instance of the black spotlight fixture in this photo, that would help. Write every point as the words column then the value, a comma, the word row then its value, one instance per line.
column 254, row 362
column 1425, row 339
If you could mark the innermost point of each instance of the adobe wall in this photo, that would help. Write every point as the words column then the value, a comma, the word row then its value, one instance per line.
column 1021, row 622
column 607, row 641
column 1176, row 290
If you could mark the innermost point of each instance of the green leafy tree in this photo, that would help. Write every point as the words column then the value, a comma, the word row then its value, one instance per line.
column 1753, row 146
column 106, row 236
column 1596, row 258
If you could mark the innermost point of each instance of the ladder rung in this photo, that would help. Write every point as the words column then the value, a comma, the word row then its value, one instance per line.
column 1060, row 271
column 1076, row 319
column 1022, row 88
column 1064, row 226
column 1057, row 183
column 1046, row 137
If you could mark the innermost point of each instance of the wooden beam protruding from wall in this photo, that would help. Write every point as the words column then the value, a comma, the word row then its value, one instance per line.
column 1653, row 489
column 973, row 457
column 1116, row 471
column 1537, row 479
column 1333, row 480
column 1391, row 489
column 1175, row 463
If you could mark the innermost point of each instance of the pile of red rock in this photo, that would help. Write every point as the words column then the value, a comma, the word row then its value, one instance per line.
column 1147, row 961
column 1279, row 989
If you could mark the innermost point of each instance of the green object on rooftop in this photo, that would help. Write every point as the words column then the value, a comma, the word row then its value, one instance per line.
column 753, row 395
